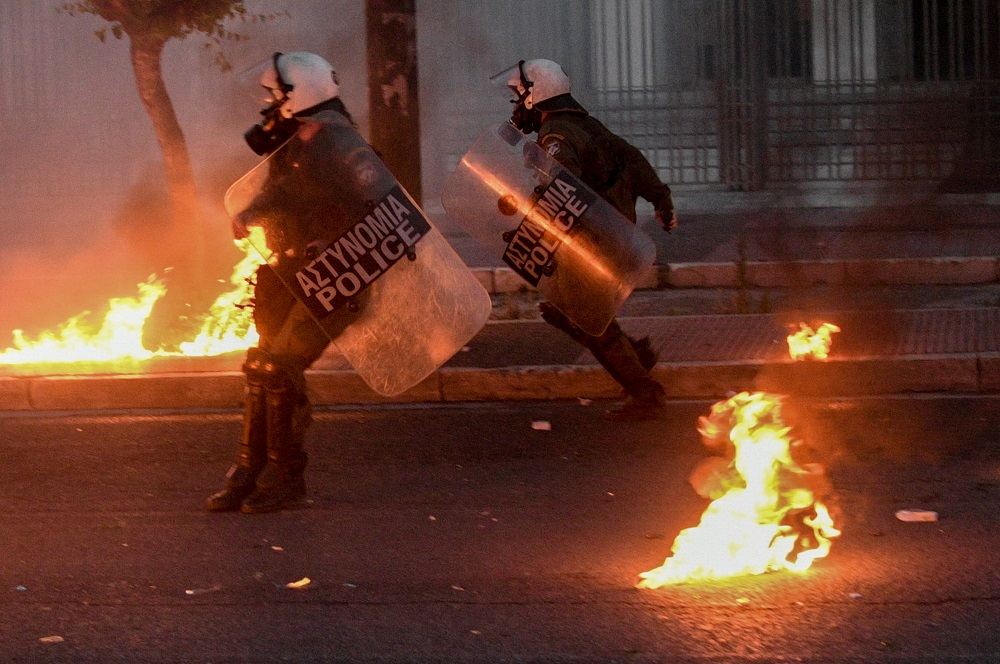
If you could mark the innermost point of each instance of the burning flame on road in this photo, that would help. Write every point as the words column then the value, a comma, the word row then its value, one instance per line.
column 226, row 327
column 766, row 513
column 811, row 344
column 229, row 326
column 119, row 337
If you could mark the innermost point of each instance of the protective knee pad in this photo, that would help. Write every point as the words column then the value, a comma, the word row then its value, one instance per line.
column 613, row 338
column 615, row 352
column 648, row 356
column 274, row 373
column 272, row 302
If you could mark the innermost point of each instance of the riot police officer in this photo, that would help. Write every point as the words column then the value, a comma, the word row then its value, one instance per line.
column 303, row 199
column 618, row 172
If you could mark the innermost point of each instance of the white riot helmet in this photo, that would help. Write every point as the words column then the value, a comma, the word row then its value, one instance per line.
column 296, row 82
column 299, row 80
column 541, row 79
column 533, row 82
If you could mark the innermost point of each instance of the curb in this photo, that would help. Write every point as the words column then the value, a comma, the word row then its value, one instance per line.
column 855, row 272
column 957, row 270
column 952, row 373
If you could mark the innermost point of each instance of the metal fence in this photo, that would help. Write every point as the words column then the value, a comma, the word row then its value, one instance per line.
column 755, row 93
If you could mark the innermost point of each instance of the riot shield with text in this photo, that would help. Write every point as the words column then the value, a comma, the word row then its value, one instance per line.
column 358, row 252
column 582, row 255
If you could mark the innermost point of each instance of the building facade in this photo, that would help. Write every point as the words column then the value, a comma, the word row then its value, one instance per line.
column 744, row 95
column 749, row 94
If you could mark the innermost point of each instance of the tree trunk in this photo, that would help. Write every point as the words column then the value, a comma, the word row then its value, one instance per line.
column 187, row 231
column 393, row 106
column 171, row 320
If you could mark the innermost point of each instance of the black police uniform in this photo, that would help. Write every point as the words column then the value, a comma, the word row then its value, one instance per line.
column 620, row 173
column 306, row 197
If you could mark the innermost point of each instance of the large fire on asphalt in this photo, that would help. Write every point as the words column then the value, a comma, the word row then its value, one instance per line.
column 767, row 510
column 225, row 328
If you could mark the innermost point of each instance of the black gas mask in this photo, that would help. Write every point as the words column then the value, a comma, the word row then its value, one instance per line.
column 268, row 135
column 528, row 120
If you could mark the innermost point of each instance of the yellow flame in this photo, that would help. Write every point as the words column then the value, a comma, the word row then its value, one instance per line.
column 229, row 326
column 810, row 344
column 226, row 327
column 761, row 496
column 119, row 337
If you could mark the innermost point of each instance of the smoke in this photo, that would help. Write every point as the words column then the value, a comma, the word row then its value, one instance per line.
column 85, row 212
column 39, row 289
column 76, row 271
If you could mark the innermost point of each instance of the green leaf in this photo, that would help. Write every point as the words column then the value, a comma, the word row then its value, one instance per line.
column 163, row 20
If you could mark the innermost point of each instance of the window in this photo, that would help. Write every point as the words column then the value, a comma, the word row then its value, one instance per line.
column 955, row 40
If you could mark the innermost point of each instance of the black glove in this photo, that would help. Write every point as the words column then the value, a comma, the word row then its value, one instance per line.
column 665, row 213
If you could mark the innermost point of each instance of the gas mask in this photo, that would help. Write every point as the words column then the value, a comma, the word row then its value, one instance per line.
column 267, row 136
column 528, row 120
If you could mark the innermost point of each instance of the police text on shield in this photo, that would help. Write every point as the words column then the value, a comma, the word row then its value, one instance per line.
column 362, row 255
column 556, row 211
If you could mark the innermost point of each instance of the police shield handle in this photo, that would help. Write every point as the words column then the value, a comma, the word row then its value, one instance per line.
column 552, row 230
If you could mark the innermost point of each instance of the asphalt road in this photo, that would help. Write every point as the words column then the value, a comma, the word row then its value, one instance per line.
column 463, row 534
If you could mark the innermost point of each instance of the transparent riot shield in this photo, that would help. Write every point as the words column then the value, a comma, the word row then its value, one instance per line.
column 360, row 255
column 582, row 255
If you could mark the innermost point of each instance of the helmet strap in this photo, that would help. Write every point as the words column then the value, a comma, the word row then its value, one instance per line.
column 528, row 120
column 283, row 85
column 525, row 83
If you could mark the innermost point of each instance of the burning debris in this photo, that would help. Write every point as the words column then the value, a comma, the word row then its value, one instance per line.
column 226, row 327
column 809, row 344
column 766, row 511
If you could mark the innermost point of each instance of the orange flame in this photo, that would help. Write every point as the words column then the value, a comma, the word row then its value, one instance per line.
column 225, row 328
column 119, row 336
column 765, row 514
column 228, row 326
column 810, row 344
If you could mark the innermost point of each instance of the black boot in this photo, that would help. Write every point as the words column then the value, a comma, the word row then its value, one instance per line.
column 617, row 353
column 645, row 403
column 282, row 482
column 628, row 360
column 251, row 455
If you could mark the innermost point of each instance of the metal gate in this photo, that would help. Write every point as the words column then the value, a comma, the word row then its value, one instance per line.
column 752, row 93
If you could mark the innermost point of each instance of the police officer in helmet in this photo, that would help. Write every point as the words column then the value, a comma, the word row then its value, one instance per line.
column 296, row 207
column 619, row 173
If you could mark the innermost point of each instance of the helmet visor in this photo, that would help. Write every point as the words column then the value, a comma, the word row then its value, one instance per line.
column 263, row 81
column 512, row 80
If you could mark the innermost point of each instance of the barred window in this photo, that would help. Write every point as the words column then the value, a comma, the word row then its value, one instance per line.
column 789, row 27
column 955, row 40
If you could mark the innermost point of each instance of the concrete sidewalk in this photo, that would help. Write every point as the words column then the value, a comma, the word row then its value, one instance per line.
column 888, row 345
column 877, row 352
